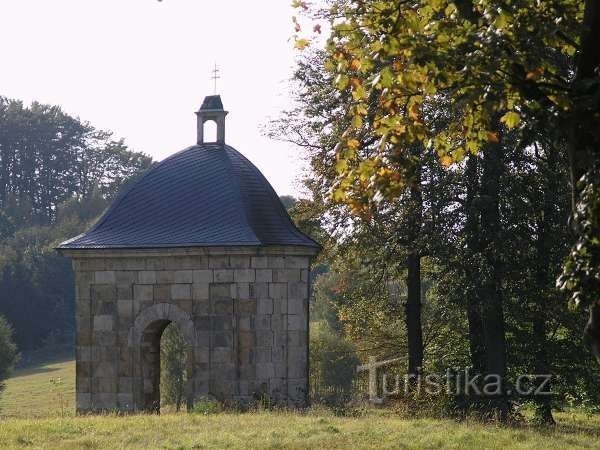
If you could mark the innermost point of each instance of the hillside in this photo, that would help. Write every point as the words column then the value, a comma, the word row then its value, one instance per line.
column 43, row 390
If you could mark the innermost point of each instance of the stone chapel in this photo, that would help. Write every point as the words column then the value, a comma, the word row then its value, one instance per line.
column 202, row 240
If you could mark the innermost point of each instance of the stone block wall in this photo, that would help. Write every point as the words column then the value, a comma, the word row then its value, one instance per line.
column 243, row 312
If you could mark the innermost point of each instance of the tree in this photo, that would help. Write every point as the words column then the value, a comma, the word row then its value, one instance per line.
column 288, row 201
column 48, row 157
column 444, row 101
column 333, row 364
column 8, row 351
column 57, row 175
column 501, row 66
column 173, row 361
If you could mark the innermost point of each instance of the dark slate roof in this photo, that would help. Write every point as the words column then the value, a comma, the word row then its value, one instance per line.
column 212, row 102
column 205, row 195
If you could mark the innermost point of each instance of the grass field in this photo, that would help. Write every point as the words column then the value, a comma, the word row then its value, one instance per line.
column 43, row 390
column 31, row 418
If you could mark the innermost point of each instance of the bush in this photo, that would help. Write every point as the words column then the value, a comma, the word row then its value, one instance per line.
column 207, row 406
column 8, row 351
column 333, row 363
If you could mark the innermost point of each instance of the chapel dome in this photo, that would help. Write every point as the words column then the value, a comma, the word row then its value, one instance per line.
column 206, row 195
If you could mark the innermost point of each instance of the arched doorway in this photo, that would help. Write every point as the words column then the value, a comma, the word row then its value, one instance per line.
column 145, row 338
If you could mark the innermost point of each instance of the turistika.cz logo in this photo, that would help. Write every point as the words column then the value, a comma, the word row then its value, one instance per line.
column 453, row 382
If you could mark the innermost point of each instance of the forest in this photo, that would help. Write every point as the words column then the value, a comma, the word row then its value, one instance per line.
column 57, row 175
column 453, row 149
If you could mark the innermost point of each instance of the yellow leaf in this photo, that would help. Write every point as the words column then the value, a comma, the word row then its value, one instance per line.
column 414, row 111
column 353, row 144
column 359, row 92
column 299, row 4
column 472, row 145
column 450, row 9
column 503, row 20
column 446, row 160
column 341, row 166
column 302, row 43
column 458, row 154
column 341, row 81
column 511, row 119
column 338, row 195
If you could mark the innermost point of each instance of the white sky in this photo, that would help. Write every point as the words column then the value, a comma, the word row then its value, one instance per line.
column 140, row 68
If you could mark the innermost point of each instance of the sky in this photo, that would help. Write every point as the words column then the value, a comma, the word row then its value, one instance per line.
column 140, row 68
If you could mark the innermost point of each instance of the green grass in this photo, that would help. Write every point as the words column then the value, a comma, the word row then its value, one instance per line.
column 284, row 430
column 31, row 419
column 43, row 390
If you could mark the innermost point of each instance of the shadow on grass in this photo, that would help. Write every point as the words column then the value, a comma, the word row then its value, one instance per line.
column 37, row 363
column 34, row 371
column 589, row 429
column 586, row 429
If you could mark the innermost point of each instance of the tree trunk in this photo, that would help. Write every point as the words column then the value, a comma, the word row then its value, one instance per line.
column 413, row 315
column 413, row 280
column 591, row 333
column 543, row 410
column 473, row 305
column 492, row 308
column 543, row 279
column 584, row 143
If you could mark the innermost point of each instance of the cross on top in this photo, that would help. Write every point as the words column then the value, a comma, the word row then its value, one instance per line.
column 215, row 77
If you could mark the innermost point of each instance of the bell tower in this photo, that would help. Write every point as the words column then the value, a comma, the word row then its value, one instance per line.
column 211, row 109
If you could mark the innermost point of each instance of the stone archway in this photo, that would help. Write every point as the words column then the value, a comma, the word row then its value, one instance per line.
column 144, row 340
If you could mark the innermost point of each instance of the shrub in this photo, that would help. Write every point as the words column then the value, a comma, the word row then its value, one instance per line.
column 8, row 351
column 333, row 363
column 207, row 406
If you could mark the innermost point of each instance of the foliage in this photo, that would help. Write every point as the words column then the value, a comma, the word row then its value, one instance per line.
column 333, row 363
column 207, row 406
column 581, row 272
column 36, row 284
column 48, row 157
column 324, row 302
column 471, row 107
column 8, row 351
column 400, row 60
column 57, row 175
column 173, row 366
column 487, row 68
